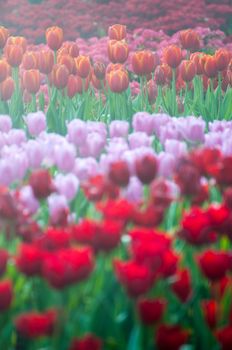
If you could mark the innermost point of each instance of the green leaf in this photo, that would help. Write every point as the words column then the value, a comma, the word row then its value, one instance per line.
column 135, row 339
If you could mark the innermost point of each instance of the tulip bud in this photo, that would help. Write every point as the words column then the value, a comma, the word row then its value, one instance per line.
column 45, row 61
column 118, row 51
column 146, row 168
column 18, row 40
column 187, row 70
column 30, row 60
column 68, row 61
column 54, row 38
column 3, row 70
column 163, row 74
column 151, row 310
column 172, row 55
column 118, row 80
column 222, row 57
column 7, row 89
column 144, row 62
column 117, row 32
column 96, row 82
column 73, row 50
column 210, row 66
column 4, row 33
column 14, row 55
column 151, row 90
column 83, row 66
column 76, row 85
column 189, row 39
column 60, row 76
column 99, row 69
column 31, row 80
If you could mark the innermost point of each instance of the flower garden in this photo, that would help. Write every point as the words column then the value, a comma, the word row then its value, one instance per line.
column 115, row 175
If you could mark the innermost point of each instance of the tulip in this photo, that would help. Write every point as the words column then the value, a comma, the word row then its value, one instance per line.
column 36, row 123
column 14, row 55
column 60, row 76
column 4, row 33
column 222, row 57
column 41, row 183
column 45, row 61
column 171, row 337
column 151, row 90
column 119, row 173
column 6, row 89
column 88, row 342
column 114, row 66
column 189, row 39
column 31, row 80
column 3, row 70
column 172, row 55
column 99, row 69
column 187, row 70
column 117, row 32
column 210, row 311
column 6, row 295
column 30, row 60
column 151, row 310
column 118, row 80
column 54, row 38
column 72, row 86
column 83, row 66
column 144, row 62
column 196, row 58
column 214, row 264
column 146, row 168
column 17, row 40
column 210, row 66
column 118, row 51
column 70, row 48
column 68, row 61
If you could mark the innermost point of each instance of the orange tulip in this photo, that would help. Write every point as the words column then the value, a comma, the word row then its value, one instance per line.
column 196, row 58
column 14, row 55
column 76, row 85
column 4, row 33
column 117, row 32
column 172, row 55
column 187, row 70
column 17, row 40
column 31, row 80
column 70, row 48
column 45, row 61
column 83, row 66
column 30, row 60
column 99, row 69
column 68, row 61
column 54, row 37
column 144, row 62
column 118, row 51
column 222, row 57
column 118, row 80
column 189, row 39
column 7, row 89
column 60, row 76
column 3, row 70
column 210, row 66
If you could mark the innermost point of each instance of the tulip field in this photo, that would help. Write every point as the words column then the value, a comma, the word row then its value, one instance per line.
column 115, row 175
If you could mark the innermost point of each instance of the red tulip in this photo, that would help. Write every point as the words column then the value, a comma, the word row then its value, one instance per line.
column 35, row 325
column 41, row 183
column 214, row 264
column 187, row 70
column 119, row 173
column 6, row 295
column 83, row 66
column 170, row 337
column 45, row 61
column 182, row 285
column 30, row 60
column 151, row 310
column 88, row 342
column 60, row 76
column 14, row 55
column 146, row 168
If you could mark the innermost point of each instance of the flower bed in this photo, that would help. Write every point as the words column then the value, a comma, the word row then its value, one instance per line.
column 116, row 192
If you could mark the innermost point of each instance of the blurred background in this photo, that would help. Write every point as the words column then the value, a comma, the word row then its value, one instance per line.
column 87, row 18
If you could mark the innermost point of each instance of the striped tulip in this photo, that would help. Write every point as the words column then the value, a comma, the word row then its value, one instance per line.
column 117, row 32
column 31, row 80
column 144, row 62
column 54, row 37
column 118, row 51
column 118, row 80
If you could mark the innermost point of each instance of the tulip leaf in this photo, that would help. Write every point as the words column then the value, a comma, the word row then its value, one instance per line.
column 135, row 339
